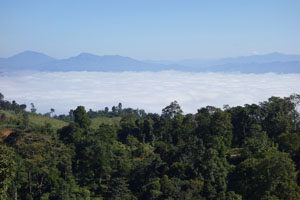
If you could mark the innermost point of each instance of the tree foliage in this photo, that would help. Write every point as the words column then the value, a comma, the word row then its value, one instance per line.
column 242, row 152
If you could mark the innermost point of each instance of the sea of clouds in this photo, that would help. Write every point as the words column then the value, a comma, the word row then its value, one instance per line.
column 151, row 91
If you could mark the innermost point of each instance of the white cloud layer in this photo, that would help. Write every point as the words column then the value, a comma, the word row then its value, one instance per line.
column 151, row 91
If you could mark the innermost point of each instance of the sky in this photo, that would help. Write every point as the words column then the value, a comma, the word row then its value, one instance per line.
column 151, row 91
column 155, row 30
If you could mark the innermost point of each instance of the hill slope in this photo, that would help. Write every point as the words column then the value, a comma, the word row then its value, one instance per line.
column 29, row 60
column 83, row 62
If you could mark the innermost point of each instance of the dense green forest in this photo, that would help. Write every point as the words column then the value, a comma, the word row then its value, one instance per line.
column 243, row 152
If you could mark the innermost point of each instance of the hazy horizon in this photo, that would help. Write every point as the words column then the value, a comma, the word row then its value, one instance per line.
column 155, row 60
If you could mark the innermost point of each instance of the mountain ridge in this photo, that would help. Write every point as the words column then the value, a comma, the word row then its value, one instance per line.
column 31, row 60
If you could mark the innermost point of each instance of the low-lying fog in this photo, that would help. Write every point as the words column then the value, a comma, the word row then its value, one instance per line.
column 151, row 91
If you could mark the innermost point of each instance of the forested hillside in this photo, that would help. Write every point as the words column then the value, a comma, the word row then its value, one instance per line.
column 243, row 152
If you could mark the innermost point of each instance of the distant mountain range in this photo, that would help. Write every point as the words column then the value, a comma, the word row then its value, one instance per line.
column 29, row 60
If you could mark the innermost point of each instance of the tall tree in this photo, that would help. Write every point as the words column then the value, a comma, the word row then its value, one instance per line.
column 7, row 170
column 81, row 117
column 1, row 96
column 274, row 175
column 33, row 109
column 278, row 116
column 172, row 110
column 214, row 127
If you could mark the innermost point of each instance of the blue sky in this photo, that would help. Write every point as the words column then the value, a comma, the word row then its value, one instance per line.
column 156, row 29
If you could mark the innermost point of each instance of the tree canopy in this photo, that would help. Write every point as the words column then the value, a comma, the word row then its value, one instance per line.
column 243, row 152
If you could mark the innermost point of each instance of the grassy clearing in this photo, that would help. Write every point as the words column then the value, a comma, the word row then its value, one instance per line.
column 34, row 119
column 8, row 113
column 96, row 122
column 41, row 120
column 8, row 122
